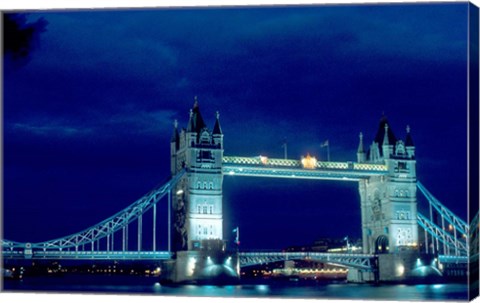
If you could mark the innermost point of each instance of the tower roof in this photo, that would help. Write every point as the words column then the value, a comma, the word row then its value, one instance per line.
column 175, row 136
column 196, row 123
column 379, row 137
column 408, row 139
column 217, row 130
column 360, row 149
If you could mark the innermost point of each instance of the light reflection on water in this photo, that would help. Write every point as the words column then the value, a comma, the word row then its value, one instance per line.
column 128, row 284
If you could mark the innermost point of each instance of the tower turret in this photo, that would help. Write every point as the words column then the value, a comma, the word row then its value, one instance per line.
column 386, row 143
column 361, row 156
column 409, row 146
column 217, row 132
column 174, row 147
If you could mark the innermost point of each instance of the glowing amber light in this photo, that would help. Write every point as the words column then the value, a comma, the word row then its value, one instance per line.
column 309, row 162
column 264, row 160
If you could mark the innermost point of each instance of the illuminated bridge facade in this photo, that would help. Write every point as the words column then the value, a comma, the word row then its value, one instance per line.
column 385, row 172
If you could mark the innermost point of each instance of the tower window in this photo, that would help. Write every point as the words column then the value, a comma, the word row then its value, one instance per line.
column 210, row 185
column 402, row 165
column 205, row 209
column 211, row 209
column 206, row 154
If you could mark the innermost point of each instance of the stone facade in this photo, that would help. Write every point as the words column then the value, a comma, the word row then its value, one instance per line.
column 389, row 202
column 197, row 200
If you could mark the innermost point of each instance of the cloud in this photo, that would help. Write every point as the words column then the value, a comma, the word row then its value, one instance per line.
column 94, row 43
column 142, row 122
column 129, row 120
column 49, row 129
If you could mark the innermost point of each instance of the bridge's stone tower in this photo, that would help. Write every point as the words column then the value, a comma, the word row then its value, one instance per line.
column 389, row 202
column 197, row 202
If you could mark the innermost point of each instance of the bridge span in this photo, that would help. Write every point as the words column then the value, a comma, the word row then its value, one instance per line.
column 262, row 166
column 387, row 185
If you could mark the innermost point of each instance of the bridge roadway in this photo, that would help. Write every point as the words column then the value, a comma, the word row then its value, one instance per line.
column 360, row 261
column 88, row 255
column 284, row 168
column 246, row 258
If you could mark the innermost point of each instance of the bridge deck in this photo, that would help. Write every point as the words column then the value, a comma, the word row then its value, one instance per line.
column 285, row 168
column 89, row 255
column 361, row 261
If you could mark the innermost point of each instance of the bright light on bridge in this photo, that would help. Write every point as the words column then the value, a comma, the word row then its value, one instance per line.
column 263, row 159
column 309, row 162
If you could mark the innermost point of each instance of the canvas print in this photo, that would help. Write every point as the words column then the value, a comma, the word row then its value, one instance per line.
column 303, row 151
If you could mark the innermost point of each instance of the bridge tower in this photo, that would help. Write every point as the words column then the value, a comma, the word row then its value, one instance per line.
column 389, row 202
column 197, row 200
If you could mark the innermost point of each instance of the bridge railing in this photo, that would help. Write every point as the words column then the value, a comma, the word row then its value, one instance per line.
column 453, row 219
column 289, row 163
column 455, row 237
column 459, row 246
column 6, row 244
column 361, row 261
column 106, row 227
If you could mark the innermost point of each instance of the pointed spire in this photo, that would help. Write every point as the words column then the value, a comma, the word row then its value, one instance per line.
column 360, row 144
column 361, row 156
column 217, row 130
column 385, row 136
column 196, row 123
column 195, row 103
column 409, row 140
column 190, row 126
column 384, row 128
column 175, row 135
column 196, row 118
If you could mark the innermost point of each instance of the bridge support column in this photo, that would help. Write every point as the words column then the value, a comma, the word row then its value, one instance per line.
column 197, row 202
column 154, row 231
column 356, row 275
column 208, row 267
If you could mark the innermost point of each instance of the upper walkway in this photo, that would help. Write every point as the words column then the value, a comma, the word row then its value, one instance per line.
column 307, row 168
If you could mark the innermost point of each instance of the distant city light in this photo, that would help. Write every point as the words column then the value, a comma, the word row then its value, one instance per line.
column 180, row 191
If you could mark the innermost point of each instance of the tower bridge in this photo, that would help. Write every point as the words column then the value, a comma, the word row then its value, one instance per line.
column 390, row 221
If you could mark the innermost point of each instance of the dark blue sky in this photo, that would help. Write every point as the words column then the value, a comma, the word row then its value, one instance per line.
column 87, row 120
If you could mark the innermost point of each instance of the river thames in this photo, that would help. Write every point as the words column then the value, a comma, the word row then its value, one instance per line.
column 75, row 284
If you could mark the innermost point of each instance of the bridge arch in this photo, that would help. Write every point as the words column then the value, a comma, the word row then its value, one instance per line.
column 382, row 245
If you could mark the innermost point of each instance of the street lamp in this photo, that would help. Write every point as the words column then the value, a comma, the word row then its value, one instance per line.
column 237, row 236
column 348, row 244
